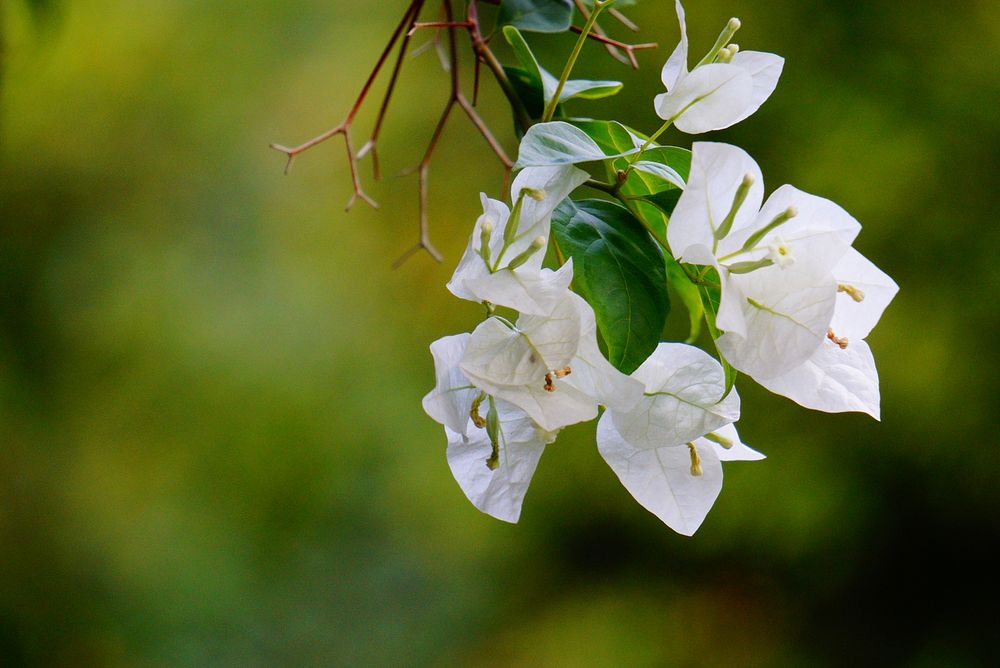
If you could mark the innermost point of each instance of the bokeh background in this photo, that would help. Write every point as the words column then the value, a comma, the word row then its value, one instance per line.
column 212, row 450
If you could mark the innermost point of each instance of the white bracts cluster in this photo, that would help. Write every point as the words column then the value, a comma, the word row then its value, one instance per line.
column 505, row 390
column 724, row 88
column 787, row 296
column 796, row 298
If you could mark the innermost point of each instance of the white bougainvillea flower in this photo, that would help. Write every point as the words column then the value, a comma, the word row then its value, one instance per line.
column 774, row 261
column 677, row 483
column 502, row 263
column 548, row 366
column 724, row 88
column 498, row 492
column 451, row 400
column 840, row 376
column 682, row 399
column 667, row 450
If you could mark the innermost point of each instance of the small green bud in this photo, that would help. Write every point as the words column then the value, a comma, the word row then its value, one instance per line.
column 741, row 195
column 721, row 42
column 747, row 267
column 485, row 233
column 535, row 246
column 493, row 430
column 780, row 219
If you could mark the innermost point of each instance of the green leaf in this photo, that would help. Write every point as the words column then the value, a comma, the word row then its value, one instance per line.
column 528, row 89
column 611, row 136
column 710, row 300
column 560, row 143
column 536, row 15
column 619, row 270
column 662, row 168
column 689, row 294
column 547, row 83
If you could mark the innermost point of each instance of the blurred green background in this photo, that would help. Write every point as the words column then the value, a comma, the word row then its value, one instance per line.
column 212, row 450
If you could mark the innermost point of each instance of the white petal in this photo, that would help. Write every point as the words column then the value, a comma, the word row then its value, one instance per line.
column 676, row 65
column 853, row 319
column 712, row 97
column 472, row 266
column 819, row 233
column 511, row 364
column 551, row 410
column 498, row 492
column 730, row 317
column 764, row 68
column 557, row 182
column 660, row 478
column 497, row 355
column 787, row 312
column 737, row 452
column 684, row 388
column 832, row 380
column 593, row 375
column 524, row 289
column 717, row 170
column 447, row 403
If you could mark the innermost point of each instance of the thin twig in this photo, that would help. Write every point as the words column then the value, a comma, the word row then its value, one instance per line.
column 629, row 49
column 344, row 128
column 371, row 146
column 456, row 96
column 598, row 30
column 624, row 20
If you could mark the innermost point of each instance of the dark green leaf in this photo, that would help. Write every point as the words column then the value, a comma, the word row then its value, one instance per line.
column 710, row 300
column 689, row 294
column 529, row 89
column 536, row 15
column 542, row 79
column 619, row 270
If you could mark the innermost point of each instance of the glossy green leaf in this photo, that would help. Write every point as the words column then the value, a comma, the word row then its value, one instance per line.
column 689, row 295
column 547, row 83
column 660, row 169
column 536, row 15
column 560, row 143
column 528, row 89
column 620, row 271
column 710, row 300
column 611, row 136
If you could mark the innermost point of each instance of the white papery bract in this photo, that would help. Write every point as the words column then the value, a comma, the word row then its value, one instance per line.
column 526, row 287
column 451, row 399
column 667, row 450
column 840, row 375
column 683, row 398
column 660, row 479
column 774, row 261
column 714, row 95
column 548, row 366
column 498, row 492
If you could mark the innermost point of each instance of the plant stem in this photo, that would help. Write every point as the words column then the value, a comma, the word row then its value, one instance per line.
column 550, row 108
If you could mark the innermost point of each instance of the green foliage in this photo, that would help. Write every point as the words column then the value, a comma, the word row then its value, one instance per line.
column 534, row 78
column 560, row 143
column 619, row 270
column 710, row 295
column 536, row 15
